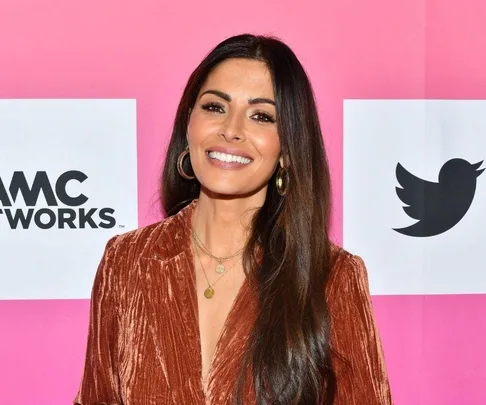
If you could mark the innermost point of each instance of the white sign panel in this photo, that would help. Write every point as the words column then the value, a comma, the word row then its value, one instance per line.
column 415, row 194
column 68, row 182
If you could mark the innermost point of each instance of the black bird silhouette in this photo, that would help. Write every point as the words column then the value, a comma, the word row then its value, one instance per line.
column 437, row 206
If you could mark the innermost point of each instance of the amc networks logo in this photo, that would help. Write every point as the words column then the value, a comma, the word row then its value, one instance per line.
column 64, row 210
column 440, row 206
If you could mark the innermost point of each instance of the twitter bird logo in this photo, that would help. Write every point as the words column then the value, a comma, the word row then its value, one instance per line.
column 437, row 206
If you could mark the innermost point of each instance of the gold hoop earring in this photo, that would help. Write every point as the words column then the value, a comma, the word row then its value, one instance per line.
column 282, row 181
column 180, row 160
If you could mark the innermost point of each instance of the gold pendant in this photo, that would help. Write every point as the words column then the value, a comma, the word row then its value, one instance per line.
column 220, row 268
column 209, row 292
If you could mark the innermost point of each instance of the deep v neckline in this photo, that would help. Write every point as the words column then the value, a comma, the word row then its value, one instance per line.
column 206, row 388
column 207, row 381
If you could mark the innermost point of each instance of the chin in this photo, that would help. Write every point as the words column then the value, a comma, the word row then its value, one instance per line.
column 228, row 191
column 224, row 192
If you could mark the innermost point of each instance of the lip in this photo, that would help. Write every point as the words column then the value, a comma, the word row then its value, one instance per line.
column 229, row 151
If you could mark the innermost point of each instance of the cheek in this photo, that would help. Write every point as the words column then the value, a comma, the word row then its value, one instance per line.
column 199, row 128
column 194, row 126
column 268, row 144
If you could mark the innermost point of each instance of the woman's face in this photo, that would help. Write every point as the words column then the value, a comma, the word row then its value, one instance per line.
column 232, row 131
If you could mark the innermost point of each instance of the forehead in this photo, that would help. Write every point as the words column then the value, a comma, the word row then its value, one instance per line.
column 240, row 74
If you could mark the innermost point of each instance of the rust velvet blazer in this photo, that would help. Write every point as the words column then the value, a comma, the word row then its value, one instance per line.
column 143, row 343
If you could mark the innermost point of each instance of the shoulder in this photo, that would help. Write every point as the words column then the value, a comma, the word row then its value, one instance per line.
column 162, row 240
column 123, row 252
column 348, row 273
column 145, row 241
column 136, row 238
column 342, row 258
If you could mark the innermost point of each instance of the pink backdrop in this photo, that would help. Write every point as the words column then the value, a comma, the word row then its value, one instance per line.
column 434, row 345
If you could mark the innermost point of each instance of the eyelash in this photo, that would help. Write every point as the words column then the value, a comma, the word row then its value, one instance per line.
column 267, row 117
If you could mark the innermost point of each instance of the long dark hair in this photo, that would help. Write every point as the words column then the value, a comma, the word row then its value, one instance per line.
column 289, row 349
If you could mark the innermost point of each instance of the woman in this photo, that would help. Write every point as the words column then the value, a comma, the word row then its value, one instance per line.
column 238, row 296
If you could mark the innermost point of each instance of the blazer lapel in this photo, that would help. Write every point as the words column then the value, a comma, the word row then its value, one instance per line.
column 168, row 283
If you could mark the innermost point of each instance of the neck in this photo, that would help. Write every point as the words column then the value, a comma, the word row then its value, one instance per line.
column 224, row 225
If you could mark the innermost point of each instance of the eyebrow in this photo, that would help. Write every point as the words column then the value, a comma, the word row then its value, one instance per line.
column 227, row 97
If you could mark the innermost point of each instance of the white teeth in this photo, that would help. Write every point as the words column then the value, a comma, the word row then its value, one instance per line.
column 225, row 157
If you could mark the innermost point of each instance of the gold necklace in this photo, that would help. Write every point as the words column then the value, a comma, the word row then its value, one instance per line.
column 209, row 292
column 220, row 267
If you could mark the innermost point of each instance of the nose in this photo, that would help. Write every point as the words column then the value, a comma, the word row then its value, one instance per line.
column 232, row 128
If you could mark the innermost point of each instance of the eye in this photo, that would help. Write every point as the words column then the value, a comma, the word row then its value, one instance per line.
column 213, row 107
column 264, row 117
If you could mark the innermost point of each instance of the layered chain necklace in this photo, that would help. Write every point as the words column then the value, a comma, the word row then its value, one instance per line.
column 209, row 291
column 220, row 260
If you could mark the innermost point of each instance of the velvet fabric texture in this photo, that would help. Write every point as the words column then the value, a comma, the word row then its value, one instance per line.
column 143, row 342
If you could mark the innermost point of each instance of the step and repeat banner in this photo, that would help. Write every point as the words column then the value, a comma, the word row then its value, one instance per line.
column 88, row 93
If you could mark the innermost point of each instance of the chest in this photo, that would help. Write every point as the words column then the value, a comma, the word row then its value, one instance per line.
column 171, row 337
column 215, row 314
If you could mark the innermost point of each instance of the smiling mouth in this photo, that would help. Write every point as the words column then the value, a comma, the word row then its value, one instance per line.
column 227, row 158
